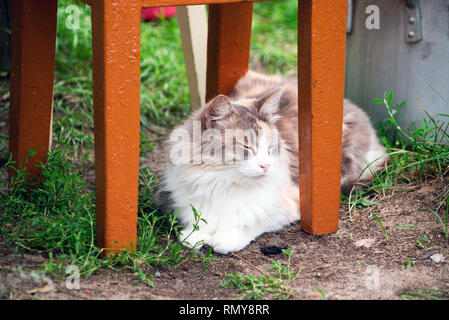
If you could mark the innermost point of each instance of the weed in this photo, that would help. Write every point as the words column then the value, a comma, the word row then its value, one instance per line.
column 414, row 153
column 206, row 259
column 57, row 220
column 440, row 219
column 195, row 227
column 259, row 287
column 381, row 225
column 409, row 263
column 423, row 240
column 355, row 200
column 417, row 152
column 427, row 293
column 322, row 293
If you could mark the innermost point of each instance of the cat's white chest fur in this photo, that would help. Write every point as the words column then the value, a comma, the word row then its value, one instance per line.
column 236, row 209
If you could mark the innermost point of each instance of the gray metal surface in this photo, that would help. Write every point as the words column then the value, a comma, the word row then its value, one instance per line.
column 381, row 60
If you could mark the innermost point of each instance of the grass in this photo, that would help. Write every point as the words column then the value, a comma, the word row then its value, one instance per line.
column 443, row 223
column 381, row 225
column 266, row 286
column 426, row 293
column 416, row 154
column 322, row 293
column 423, row 240
column 57, row 218
column 164, row 89
column 274, row 37
column 356, row 200
column 409, row 263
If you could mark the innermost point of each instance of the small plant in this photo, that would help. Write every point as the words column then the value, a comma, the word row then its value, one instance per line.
column 322, row 293
column 355, row 200
column 443, row 223
column 409, row 263
column 196, row 227
column 259, row 287
column 206, row 259
column 423, row 240
column 414, row 154
column 417, row 152
column 381, row 225
column 426, row 293
column 56, row 219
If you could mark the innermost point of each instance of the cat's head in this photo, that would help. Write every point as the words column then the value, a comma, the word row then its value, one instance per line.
column 242, row 135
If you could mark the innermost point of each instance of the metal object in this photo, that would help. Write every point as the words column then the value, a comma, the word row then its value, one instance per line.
column 350, row 17
column 381, row 60
column 413, row 27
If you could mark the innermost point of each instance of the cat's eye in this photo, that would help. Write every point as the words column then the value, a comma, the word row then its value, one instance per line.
column 272, row 150
column 246, row 147
column 247, row 151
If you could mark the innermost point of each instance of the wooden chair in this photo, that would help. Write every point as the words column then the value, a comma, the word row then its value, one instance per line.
column 116, row 89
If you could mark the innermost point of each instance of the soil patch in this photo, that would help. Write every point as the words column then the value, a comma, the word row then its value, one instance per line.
column 360, row 261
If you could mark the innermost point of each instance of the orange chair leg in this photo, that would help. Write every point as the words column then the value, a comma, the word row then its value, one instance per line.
column 321, row 70
column 33, row 28
column 228, row 46
column 116, row 86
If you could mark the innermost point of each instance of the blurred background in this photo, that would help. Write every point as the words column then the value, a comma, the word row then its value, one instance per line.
column 164, row 88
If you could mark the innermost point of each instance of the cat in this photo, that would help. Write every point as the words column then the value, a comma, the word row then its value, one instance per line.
column 235, row 163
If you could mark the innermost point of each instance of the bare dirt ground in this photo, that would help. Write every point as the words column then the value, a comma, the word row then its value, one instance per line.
column 358, row 262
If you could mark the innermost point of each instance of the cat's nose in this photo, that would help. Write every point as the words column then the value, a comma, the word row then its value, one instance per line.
column 264, row 167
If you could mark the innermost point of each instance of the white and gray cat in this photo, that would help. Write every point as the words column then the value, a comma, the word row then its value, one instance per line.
column 236, row 162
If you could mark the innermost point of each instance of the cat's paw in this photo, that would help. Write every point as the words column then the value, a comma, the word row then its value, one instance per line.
column 194, row 239
column 230, row 241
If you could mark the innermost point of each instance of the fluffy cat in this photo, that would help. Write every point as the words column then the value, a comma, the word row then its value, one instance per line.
column 235, row 161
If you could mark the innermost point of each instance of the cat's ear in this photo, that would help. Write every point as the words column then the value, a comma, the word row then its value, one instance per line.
column 217, row 110
column 269, row 104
